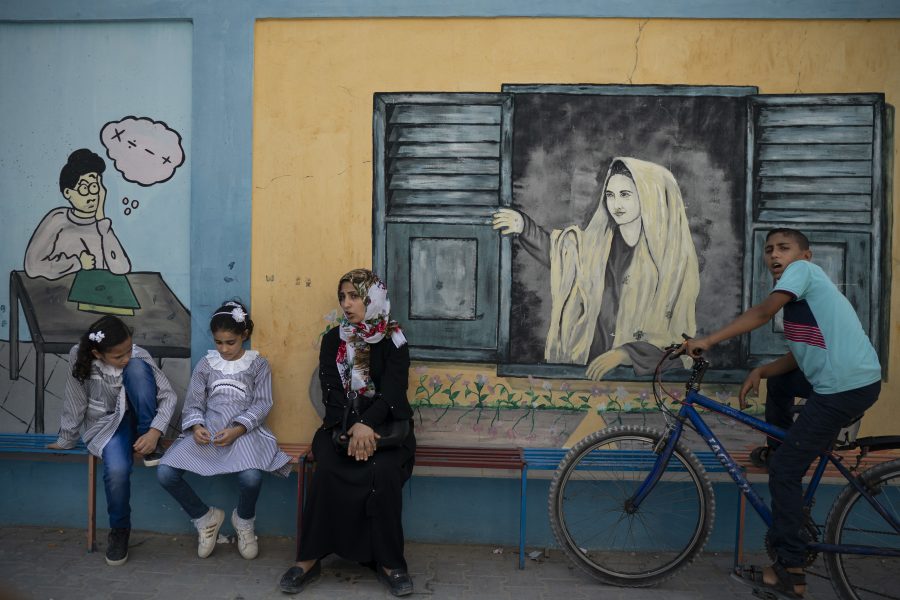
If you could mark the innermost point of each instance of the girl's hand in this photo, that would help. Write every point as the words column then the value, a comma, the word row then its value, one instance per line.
column 228, row 435
column 363, row 440
column 147, row 442
column 201, row 435
column 54, row 446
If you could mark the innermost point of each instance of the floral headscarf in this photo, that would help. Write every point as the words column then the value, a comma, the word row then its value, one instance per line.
column 353, row 351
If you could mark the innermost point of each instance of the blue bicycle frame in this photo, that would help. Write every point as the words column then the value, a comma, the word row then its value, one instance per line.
column 688, row 412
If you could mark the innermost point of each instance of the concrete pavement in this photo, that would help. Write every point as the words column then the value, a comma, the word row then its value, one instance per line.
column 38, row 563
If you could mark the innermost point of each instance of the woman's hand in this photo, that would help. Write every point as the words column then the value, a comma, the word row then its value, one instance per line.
column 227, row 436
column 601, row 365
column 147, row 442
column 363, row 440
column 508, row 221
column 201, row 435
column 750, row 383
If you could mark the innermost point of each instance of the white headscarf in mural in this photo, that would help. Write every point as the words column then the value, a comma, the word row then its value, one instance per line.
column 656, row 304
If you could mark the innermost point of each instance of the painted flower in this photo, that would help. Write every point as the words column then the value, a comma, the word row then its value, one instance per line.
column 421, row 370
column 481, row 379
column 547, row 386
column 435, row 382
column 565, row 387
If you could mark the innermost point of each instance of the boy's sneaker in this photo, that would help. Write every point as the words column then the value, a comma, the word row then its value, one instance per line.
column 152, row 459
column 208, row 527
column 246, row 538
column 117, row 546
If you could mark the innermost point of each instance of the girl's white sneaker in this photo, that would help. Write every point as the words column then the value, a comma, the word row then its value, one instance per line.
column 246, row 538
column 208, row 527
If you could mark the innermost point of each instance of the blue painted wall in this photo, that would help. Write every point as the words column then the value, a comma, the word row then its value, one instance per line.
column 61, row 83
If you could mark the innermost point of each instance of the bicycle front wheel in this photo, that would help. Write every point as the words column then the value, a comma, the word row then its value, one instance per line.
column 599, row 529
column 853, row 521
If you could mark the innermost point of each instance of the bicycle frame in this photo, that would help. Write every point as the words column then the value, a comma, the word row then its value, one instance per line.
column 688, row 412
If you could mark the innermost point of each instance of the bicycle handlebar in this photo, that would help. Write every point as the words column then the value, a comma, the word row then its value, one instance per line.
column 697, row 372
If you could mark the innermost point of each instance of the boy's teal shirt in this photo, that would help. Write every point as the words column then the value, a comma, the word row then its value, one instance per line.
column 823, row 332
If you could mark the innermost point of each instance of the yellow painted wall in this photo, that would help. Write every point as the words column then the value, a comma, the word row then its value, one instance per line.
column 312, row 133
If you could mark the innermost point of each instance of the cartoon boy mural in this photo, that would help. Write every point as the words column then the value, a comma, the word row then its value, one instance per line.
column 69, row 239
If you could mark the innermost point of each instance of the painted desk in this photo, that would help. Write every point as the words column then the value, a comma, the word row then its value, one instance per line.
column 162, row 325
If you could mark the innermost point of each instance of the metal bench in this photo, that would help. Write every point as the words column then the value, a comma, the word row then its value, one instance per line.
column 297, row 452
column 20, row 444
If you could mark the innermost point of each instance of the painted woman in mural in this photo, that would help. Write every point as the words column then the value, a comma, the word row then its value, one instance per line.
column 625, row 285
column 70, row 239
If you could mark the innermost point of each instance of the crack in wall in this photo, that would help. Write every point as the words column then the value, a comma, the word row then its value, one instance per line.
column 637, row 51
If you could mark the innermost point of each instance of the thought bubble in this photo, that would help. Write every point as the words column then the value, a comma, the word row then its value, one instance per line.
column 144, row 151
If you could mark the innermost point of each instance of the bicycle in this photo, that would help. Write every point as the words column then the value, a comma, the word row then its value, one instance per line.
column 619, row 487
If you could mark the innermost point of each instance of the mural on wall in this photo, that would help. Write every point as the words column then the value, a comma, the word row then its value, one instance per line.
column 627, row 284
column 116, row 242
column 76, row 268
column 568, row 233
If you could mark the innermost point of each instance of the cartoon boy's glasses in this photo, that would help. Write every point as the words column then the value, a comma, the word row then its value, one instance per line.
column 84, row 188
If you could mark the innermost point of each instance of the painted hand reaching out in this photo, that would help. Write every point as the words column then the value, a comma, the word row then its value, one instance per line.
column 601, row 365
column 508, row 221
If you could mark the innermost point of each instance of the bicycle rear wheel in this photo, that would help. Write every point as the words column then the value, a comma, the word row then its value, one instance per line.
column 852, row 520
column 594, row 524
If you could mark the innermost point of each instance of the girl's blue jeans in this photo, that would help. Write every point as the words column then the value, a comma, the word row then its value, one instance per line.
column 117, row 455
column 249, row 484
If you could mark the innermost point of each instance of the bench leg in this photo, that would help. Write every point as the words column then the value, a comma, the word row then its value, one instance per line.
column 92, row 503
column 739, row 531
column 301, row 489
column 523, row 514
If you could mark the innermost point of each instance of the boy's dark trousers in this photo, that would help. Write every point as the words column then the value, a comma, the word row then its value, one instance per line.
column 816, row 427
column 781, row 391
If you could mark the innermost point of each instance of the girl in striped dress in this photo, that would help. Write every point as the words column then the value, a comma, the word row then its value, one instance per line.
column 223, row 431
column 119, row 402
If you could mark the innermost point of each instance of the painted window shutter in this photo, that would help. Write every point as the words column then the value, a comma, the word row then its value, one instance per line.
column 441, row 169
column 816, row 164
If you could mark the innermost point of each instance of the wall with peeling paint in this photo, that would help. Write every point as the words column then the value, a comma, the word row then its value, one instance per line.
column 314, row 82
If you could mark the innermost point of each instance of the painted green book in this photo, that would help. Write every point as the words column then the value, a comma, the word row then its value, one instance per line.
column 99, row 291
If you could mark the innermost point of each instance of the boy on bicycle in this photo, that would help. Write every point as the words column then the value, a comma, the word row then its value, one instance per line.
column 830, row 361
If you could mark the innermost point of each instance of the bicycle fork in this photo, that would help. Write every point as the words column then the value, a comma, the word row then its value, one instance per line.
column 663, row 449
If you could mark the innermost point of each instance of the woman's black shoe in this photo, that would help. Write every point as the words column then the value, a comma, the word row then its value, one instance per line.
column 294, row 580
column 398, row 581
